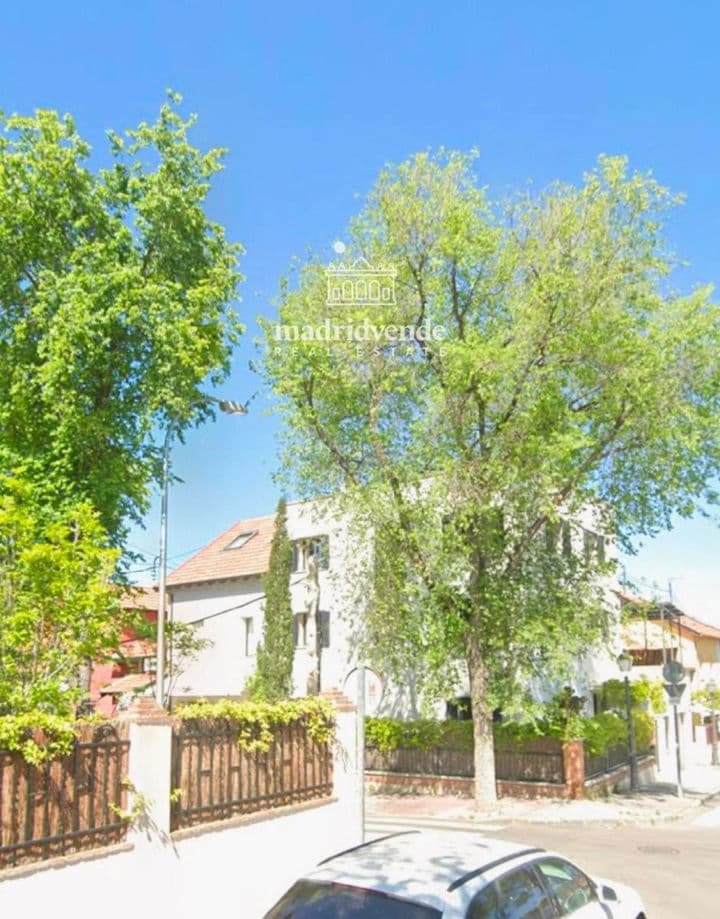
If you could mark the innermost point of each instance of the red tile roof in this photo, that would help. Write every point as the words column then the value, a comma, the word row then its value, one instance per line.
column 673, row 617
column 137, row 597
column 215, row 562
column 137, row 647
column 703, row 629
column 127, row 683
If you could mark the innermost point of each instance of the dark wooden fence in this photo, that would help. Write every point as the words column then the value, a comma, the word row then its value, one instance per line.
column 537, row 760
column 66, row 804
column 601, row 763
column 217, row 779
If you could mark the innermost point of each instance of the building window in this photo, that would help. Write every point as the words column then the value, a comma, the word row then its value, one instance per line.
column 600, row 547
column 459, row 709
column 552, row 532
column 324, row 628
column 567, row 549
column 300, row 630
column 302, row 549
column 248, row 631
column 239, row 541
column 319, row 549
column 593, row 545
column 298, row 557
column 647, row 657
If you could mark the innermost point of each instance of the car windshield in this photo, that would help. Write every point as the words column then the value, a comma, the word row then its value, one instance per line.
column 312, row 900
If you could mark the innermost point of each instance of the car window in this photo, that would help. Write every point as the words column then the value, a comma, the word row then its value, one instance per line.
column 515, row 895
column 571, row 887
column 314, row 900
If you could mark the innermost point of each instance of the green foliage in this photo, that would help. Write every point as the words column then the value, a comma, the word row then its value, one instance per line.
column 114, row 296
column 255, row 720
column 568, row 379
column 183, row 646
column 562, row 716
column 59, row 609
column 387, row 734
column 598, row 732
column 37, row 735
column 601, row 731
column 644, row 730
column 272, row 679
column 644, row 693
column 708, row 697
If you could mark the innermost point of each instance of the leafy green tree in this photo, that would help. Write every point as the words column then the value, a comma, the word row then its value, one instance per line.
column 272, row 680
column 59, row 608
column 550, row 378
column 183, row 646
column 709, row 696
column 114, row 303
column 644, row 694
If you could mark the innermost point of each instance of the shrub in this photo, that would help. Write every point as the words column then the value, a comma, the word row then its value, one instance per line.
column 644, row 693
column 599, row 732
column 255, row 720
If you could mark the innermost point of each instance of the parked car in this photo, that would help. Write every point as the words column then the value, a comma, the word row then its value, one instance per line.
column 444, row 876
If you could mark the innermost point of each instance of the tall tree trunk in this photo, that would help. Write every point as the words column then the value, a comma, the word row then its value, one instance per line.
column 482, row 717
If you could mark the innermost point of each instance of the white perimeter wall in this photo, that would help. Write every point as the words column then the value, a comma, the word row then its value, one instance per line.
column 236, row 873
column 235, row 869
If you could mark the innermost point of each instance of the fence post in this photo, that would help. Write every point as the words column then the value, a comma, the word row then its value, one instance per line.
column 346, row 771
column 149, row 765
column 573, row 754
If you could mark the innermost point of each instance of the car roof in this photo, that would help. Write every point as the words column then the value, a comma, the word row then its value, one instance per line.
column 419, row 866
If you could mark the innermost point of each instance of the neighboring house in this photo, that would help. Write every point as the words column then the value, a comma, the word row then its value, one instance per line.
column 219, row 590
column 660, row 632
column 132, row 668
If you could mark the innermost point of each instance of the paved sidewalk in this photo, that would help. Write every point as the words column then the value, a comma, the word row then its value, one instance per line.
column 656, row 803
column 651, row 805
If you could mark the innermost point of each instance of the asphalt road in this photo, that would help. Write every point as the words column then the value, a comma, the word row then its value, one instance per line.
column 675, row 867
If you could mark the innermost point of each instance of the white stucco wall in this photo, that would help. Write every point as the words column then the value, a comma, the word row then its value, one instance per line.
column 223, row 668
column 231, row 868
column 240, row 872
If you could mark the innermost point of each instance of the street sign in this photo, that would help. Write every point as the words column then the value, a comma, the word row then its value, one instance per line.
column 674, row 691
column 673, row 671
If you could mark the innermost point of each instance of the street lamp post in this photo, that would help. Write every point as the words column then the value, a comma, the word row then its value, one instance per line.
column 712, row 689
column 229, row 407
column 625, row 664
column 673, row 672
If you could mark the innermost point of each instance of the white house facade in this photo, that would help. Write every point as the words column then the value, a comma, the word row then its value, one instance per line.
column 219, row 590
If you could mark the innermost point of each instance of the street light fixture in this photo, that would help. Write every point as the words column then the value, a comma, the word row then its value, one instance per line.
column 229, row 407
column 625, row 663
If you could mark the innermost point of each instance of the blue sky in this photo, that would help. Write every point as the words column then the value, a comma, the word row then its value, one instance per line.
column 313, row 98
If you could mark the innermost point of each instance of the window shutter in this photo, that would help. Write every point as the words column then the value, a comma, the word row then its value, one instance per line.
column 324, row 626
column 566, row 540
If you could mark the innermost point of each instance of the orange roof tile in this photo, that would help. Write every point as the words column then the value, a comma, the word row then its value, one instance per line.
column 698, row 627
column 137, row 647
column 127, row 683
column 216, row 562
column 136, row 597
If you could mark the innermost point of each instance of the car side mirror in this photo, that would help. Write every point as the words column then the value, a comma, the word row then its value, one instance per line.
column 607, row 893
